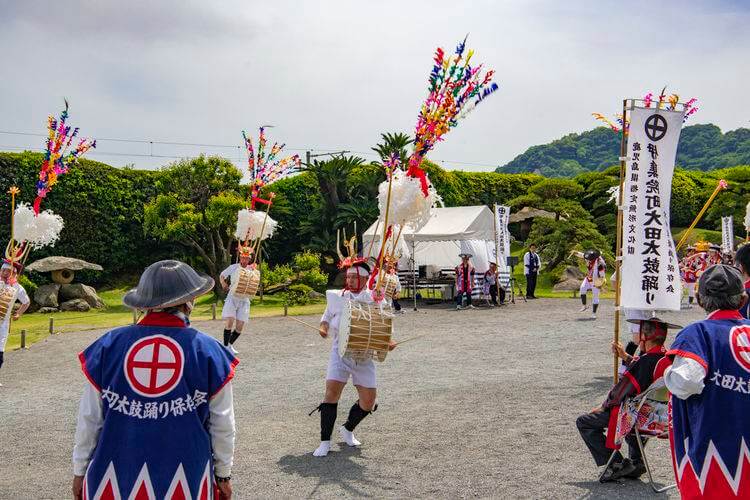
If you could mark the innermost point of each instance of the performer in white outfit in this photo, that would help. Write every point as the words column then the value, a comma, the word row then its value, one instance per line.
column 236, row 310
column 595, row 278
column 339, row 370
column 8, row 277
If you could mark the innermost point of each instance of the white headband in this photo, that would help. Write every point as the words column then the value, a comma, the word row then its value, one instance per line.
column 358, row 270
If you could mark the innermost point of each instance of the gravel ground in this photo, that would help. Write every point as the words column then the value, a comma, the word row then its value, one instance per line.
column 484, row 406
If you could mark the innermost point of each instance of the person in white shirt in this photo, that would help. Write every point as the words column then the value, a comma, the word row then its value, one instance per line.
column 340, row 369
column 531, row 265
column 8, row 276
column 236, row 310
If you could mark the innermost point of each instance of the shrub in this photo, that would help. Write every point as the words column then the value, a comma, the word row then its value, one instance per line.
column 297, row 295
column 28, row 285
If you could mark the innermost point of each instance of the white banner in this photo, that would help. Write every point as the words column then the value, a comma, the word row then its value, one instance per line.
column 502, row 237
column 650, row 272
column 727, row 233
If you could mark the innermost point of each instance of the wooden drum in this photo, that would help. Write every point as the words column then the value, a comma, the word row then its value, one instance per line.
column 245, row 282
column 391, row 282
column 7, row 299
column 365, row 331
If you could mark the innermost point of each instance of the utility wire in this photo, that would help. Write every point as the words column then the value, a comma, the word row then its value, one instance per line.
column 370, row 154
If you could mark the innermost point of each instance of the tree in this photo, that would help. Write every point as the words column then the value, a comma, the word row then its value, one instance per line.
column 393, row 142
column 197, row 207
column 572, row 226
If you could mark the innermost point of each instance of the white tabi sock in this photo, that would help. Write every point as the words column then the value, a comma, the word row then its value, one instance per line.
column 323, row 449
column 348, row 437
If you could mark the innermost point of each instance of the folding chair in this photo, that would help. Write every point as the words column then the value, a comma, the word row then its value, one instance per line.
column 657, row 396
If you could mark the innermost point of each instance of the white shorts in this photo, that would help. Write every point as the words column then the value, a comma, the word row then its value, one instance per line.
column 239, row 309
column 340, row 369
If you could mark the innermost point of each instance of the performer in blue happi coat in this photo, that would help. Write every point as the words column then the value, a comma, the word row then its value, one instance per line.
column 156, row 419
column 710, row 384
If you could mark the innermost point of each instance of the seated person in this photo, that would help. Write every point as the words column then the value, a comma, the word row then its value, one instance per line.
column 640, row 374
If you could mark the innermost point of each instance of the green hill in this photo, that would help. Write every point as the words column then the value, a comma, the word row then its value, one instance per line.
column 702, row 147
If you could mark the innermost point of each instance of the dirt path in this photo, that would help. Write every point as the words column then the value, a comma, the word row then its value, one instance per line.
column 485, row 405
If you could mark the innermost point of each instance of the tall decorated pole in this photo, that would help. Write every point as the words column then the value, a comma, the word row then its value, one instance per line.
column 646, row 266
column 722, row 185
column 618, row 250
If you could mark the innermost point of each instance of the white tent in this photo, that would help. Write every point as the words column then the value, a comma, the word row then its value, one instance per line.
column 449, row 231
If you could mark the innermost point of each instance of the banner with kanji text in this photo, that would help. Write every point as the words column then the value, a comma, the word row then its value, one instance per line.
column 650, row 271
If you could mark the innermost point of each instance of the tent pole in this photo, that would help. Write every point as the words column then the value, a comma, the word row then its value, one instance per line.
column 413, row 275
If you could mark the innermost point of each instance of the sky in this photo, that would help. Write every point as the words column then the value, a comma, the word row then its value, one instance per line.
column 333, row 75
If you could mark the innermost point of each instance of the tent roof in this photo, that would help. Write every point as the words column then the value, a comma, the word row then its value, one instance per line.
column 450, row 224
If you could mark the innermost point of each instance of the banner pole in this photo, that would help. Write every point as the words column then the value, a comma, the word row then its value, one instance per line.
column 494, row 224
column 618, row 250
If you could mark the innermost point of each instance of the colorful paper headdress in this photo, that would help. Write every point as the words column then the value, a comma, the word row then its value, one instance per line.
column 267, row 169
column 350, row 248
column 245, row 251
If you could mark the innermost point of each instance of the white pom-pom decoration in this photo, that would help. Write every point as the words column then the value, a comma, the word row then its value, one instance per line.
column 36, row 230
column 409, row 206
column 249, row 224
column 747, row 217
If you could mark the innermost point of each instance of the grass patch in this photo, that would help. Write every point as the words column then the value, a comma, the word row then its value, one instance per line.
column 116, row 314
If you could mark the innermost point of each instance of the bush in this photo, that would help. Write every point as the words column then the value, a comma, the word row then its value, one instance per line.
column 28, row 285
column 276, row 275
column 297, row 295
column 307, row 261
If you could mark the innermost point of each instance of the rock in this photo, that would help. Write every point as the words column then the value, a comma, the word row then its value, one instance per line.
column 46, row 295
column 571, row 273
column 75, row 305
column 81, row 291
column 316, row 295
column 567, row 285
column 48, row 310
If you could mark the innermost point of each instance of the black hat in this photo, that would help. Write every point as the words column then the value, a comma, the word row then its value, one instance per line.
column 654, row 320
column 714, row 246
column 591, row 254
column 167, row 283
column 720, row 281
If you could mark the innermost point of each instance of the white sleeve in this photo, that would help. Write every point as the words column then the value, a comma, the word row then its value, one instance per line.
column 228, row 271
column 526, row 258
column 327, row 315
column 221, row 428
column 685, row 377
column 87, row 431
column 21, row 295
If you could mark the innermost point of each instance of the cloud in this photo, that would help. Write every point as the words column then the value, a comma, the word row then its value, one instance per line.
column 334, row 74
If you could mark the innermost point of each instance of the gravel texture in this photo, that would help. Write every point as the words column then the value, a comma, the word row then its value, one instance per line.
column 483, row 406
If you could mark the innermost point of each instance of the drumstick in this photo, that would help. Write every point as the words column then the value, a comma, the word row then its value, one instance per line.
column 316, row 328
column 412, row 338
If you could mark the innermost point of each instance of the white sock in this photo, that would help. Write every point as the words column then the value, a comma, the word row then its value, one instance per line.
column 348, row 437
column 323, row 449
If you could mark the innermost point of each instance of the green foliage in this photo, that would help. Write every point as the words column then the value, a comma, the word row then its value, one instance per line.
column 282, row 273
column 391, row 143
column 297, row 295
column 196, row 206
column 28, row 285
column 701, row 147
column 102, row 207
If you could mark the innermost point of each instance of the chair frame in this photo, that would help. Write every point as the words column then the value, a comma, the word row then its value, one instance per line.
column 641, row 398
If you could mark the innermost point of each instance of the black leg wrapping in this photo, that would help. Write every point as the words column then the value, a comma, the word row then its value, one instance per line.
column 356, row 415
column 235, row 335
column 327, row 419
column 596, row 306
column 227, row 335
column 583, row 299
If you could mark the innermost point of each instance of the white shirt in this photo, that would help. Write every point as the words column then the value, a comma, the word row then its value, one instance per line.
column 527, row 261
column 221, row 428
column 226, row 273
column 23, row 298
column 685, row 377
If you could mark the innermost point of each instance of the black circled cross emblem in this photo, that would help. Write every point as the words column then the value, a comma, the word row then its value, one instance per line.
column 656, row 127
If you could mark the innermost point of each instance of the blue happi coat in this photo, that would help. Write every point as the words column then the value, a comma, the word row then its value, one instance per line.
column 155, row 379
column 711, row 431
